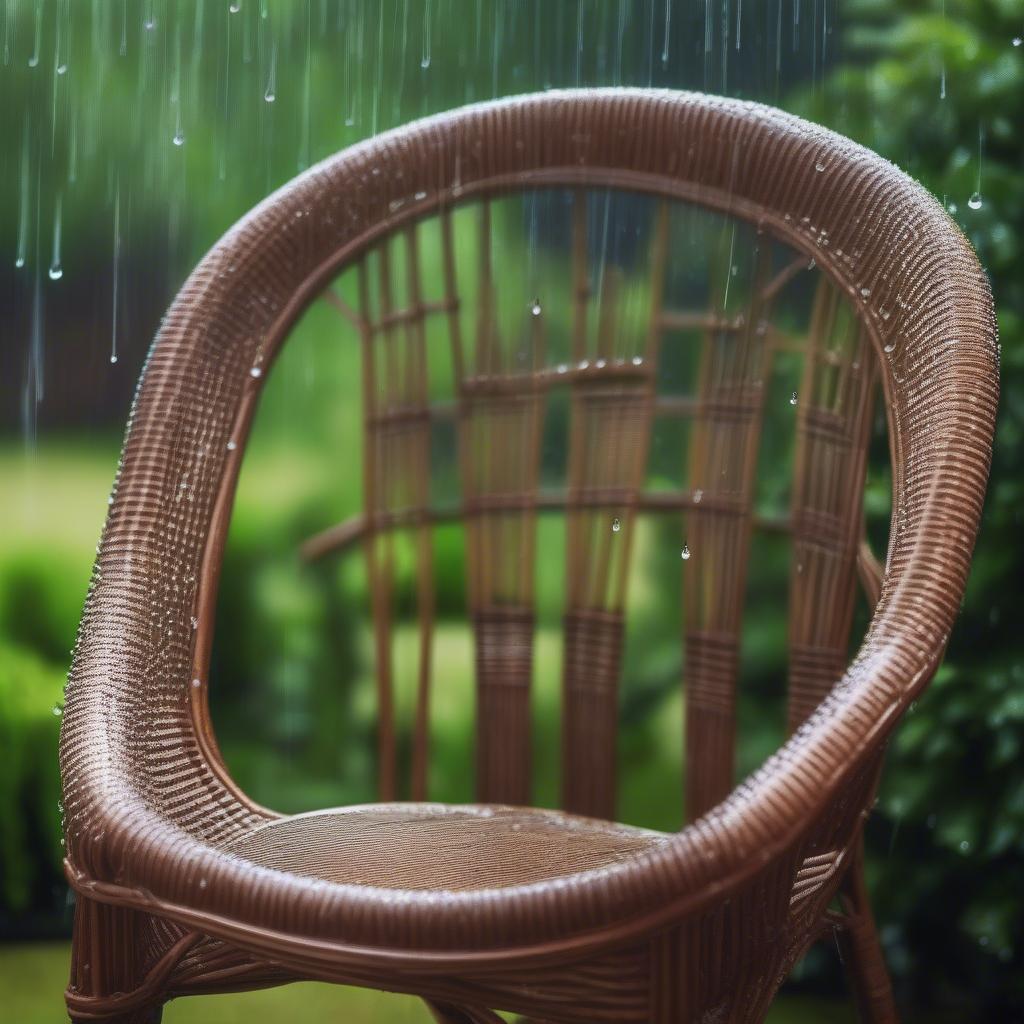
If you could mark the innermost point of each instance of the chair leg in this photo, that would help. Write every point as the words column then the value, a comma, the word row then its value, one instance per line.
column 108, row 980
column 861, row 951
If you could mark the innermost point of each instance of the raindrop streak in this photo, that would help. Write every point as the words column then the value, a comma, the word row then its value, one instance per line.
column 19, row 259
column 668, row 23
column 425, row 59
column 975, row 201
column 271, row 94
column 123, row 49
column 33, row 61
column 56, row 271
column 179, row 135
column 116, row 269
column 942, row 75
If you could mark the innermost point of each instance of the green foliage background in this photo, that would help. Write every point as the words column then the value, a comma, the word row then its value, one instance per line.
column 946, row 844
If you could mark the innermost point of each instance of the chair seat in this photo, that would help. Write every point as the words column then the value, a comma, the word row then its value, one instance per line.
column 438, row 846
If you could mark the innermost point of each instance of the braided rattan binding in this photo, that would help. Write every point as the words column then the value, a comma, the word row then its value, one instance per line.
column 186, row 885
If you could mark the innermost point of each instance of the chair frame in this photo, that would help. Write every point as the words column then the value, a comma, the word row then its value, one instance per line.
column 703, row 927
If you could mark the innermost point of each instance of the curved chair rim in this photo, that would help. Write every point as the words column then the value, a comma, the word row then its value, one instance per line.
column 940, row 378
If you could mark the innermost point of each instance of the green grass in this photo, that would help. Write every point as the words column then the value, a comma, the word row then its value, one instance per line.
column 32, row 980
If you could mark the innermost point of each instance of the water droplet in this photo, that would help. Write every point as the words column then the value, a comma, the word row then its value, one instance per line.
column 62, row 69
column 202, row 883
column 975, row 201
column 232, row 445
column 113, row 359
column 1017, row 40
column 819, row 167
column 57, row 711
column 196, row 683
column 235, row 6
column 965, row 846
column 562, row 368
column 535, row 309
column 638, row 360
column 616, row 525
column 698, row 496
column 255, row 372
column 195, row 622
column 56, row 272
column 865, row 292
column 889, row 346
column 179, row 138
column 685, row 553
column 793, row 399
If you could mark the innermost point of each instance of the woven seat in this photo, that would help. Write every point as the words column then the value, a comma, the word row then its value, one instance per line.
column 693, row 256
column 439, row 847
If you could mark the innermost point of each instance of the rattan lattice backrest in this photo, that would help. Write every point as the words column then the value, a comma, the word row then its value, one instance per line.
column 591, row 348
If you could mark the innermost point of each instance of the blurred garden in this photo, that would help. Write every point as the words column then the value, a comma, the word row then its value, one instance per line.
column 137, row 132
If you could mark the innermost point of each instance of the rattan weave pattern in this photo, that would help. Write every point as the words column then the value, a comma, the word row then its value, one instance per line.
column 151, row 814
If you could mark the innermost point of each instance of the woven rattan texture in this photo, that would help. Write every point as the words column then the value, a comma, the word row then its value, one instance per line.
column 696, row 927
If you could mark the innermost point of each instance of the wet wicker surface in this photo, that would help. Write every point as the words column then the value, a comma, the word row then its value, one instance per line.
column 700, row 926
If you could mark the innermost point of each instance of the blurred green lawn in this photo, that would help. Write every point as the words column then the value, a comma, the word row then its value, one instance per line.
column 32, row 980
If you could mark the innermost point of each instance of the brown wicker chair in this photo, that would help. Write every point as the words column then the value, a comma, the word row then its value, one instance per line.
column 184, row 885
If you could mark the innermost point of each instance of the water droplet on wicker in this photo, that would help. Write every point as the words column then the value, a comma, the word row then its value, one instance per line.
column 638, row 360
column 202, row 883
column 57, row 711
column 793, row 399
column 562, row 368
column 698, row 496
column 195, row 622
column 535, row 309
column 975, row 201
column 865, row 292
column 232, row 445
column 685, row 553
column 255, row 372
column 812, row 263
column 616, row 525
column 196, row 683
column 889, row 346
column 819, row 167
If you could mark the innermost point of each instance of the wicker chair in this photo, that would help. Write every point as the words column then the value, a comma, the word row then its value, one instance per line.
column 185, row 885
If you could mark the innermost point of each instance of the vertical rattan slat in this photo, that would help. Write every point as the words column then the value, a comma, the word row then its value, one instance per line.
column 610, row 425
column 834, row 419
column 500, row 413
column 397, row 488
column 723, row 461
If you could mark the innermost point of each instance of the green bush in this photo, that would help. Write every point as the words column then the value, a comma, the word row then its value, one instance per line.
column 30, row 852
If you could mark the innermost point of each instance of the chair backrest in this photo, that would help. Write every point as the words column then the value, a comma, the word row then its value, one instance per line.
column 534, row 347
